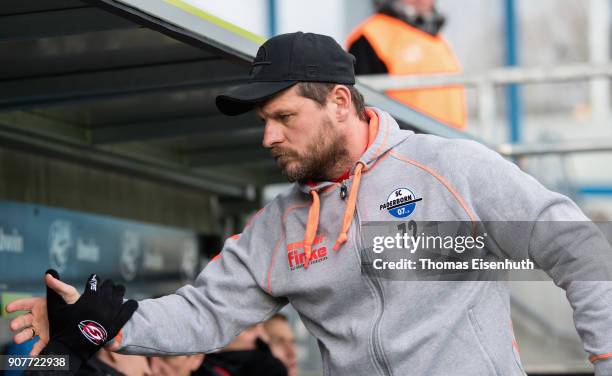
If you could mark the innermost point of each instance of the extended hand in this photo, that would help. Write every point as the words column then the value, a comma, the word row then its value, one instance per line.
column 94, row 319
column 35, row 322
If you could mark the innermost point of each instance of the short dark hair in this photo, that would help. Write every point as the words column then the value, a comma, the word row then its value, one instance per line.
column 318, row 92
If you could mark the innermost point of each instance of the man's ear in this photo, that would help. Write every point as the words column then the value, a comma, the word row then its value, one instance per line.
column 340, row 95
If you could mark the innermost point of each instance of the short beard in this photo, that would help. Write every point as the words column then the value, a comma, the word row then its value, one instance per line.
column 321, row 158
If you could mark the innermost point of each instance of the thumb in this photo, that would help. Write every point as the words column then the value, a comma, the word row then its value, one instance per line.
column 67, row 292
column 54, row 300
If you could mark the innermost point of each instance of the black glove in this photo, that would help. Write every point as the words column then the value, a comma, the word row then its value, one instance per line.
column 84, row 327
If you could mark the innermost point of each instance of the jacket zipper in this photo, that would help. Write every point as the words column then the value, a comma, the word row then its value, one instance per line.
column 375, row 338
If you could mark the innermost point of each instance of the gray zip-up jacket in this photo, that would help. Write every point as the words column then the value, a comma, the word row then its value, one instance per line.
column 370, row 326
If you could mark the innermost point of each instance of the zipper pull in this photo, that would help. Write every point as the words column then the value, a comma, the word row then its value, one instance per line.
column 343, row 190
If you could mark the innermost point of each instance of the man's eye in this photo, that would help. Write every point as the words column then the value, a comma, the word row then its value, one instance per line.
column 284, row 117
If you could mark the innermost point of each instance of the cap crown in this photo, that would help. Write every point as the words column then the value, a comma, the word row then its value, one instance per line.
column 303, row 57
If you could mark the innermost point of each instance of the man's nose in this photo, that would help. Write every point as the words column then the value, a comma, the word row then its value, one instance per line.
column 273, row 134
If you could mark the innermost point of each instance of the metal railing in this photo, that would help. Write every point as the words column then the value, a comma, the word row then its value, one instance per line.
column 486, row 83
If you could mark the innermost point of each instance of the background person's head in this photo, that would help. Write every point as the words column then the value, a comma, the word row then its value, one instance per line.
column 182, row 365
column 422, row 7
column 421, row 14
column 415, row 7
column 132, row 365
column 246, row 340
column 282, row 342
column 301, row 85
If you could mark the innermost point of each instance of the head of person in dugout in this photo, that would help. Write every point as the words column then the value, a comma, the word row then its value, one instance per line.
column 181, row 365
column 282, row 342
column 421, row 14
column 108, row 363
column 301, row 86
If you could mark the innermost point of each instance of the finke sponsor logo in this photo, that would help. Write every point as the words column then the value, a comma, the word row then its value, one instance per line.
column 11, row 242
column 94, row 332
column 296, row 256
column 400, row 203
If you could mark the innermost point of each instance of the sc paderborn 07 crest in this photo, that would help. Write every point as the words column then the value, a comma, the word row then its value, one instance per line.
column 401, row 203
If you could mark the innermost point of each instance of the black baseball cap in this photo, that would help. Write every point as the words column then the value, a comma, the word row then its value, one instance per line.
column 285, row 60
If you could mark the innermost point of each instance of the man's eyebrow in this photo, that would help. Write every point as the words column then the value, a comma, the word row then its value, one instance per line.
column 280, row 112
column 273, row 114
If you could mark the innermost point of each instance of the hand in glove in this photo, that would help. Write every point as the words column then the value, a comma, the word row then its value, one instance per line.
column 82, row 328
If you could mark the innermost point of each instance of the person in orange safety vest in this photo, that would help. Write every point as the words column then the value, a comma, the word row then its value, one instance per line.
column 403, row 37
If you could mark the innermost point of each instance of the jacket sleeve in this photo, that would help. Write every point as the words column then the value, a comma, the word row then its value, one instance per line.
column 526, row 220
column 227, row 297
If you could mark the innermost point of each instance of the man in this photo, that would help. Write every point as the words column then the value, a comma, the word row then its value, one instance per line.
column 307, row 246
column 402, row 38
column 282, row 341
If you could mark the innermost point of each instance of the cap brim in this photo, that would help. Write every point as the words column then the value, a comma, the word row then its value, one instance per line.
column 244, row 98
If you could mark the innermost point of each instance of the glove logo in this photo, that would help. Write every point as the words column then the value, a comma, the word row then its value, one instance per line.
column 93, row 283
column 94, row 332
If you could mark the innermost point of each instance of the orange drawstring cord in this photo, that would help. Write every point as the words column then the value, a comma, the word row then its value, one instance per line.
column 313, row 217
column 311, row 227
column 349, row 211
column 350, row 207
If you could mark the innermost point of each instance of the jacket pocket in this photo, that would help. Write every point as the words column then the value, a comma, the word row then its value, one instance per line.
column 477, row 330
